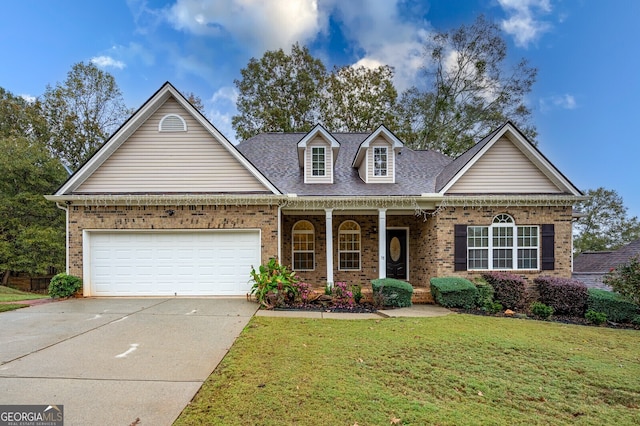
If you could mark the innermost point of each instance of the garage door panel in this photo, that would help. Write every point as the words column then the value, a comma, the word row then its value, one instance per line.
column 168, row 263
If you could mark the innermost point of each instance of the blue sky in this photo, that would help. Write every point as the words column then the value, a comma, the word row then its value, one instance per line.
column 585, row 102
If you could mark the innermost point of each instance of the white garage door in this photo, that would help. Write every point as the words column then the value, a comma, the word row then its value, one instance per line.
column 160, row 263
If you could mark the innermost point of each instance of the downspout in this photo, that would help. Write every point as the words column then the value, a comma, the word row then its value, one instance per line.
column 279, row 233
column 66, row 234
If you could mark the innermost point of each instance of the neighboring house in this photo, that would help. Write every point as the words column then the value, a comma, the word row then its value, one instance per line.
column 168, row 206
column 590, row 267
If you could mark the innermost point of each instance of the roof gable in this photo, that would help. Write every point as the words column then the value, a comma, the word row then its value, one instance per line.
column 139, row 158
column 381, row 131
column 503, row 162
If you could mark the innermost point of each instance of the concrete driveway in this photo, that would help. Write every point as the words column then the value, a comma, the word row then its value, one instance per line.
column 112, row 361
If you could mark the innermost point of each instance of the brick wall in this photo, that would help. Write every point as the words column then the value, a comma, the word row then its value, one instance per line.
column 184, row 217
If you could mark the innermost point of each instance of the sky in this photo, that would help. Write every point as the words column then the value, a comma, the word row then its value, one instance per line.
column 584, row 103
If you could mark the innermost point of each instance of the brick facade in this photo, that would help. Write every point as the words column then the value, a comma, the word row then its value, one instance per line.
column 183, row 217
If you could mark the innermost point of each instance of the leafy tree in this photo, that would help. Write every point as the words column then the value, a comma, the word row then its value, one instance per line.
column 359, row 99
column 19, row 117
column 606, row 224
column 82, row 112
column 625, row 279
column 31, row 228
column 279, row 92
column 195, row 100
column 468, row 91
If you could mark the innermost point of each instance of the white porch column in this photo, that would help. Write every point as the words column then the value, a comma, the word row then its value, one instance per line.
column 329, row 244
column 382, row 243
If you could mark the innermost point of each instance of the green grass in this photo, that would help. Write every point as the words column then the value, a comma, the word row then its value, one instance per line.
column 11, row 307
column 8, row 294
column 453, row 370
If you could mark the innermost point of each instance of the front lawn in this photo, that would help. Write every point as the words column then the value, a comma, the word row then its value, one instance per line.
column 453, row 370
column 8, row 294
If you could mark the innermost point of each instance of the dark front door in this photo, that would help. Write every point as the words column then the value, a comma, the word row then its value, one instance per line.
column 397, row 253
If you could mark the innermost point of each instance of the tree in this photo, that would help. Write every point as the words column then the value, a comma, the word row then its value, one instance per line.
column 468, row 91
column 82, row 112
column 19, row 117
column 606, row 224
column 359, row 99
column 279, row 93
column 194, row 100
column 625, row 279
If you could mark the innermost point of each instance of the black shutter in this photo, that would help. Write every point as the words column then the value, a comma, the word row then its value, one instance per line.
column 548, row 247
column 460, row 248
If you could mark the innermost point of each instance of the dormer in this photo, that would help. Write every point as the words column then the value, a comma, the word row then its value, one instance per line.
column 376, row 157
column 317, row 153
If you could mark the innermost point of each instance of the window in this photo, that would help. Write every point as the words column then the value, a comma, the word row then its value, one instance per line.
column 349, row 246
column 172, row 123
column 380, row 161
column 318, row 161
column 503, row 245
column 303, row 245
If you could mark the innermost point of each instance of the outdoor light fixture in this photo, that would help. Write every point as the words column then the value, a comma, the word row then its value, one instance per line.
column 171, row 212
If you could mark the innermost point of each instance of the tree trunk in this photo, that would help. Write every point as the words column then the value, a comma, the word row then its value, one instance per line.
column 5, row 277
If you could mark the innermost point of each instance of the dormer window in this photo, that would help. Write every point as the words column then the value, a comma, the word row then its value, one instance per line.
column 380, row 161
column 318, row 165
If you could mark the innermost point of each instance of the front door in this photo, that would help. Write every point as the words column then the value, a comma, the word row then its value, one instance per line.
column 397, row 253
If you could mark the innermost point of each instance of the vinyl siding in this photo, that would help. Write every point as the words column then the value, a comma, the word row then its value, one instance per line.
column 380, row 142
column 504, row 169
column 152, row 161
column 328, row 162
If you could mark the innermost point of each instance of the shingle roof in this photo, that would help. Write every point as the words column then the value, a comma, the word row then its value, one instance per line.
column 603, row 261
column 275, row 155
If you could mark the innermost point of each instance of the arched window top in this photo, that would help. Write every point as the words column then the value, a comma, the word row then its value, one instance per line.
column 503, row 218
column 172, row 123
column 349, row 225
column 303, row 226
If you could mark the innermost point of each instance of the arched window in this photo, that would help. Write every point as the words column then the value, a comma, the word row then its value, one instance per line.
column 303, row 246
column 172, row 123
column 349, row 246
column 502, row 245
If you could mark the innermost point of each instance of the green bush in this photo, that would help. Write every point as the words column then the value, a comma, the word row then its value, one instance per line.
column 625, row 279
column 63, row 285
column 616, row 307
column 594, row 317
column 273, row 284
column 541, row 310
column 454, row 292
column 392, row 292
column 493, row 307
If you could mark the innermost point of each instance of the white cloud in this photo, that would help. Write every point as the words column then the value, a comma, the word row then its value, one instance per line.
column 262, row 25
column 227, row 93
column 28, row 98
column 107, row 61
column 523, row 22
column 565, row 101
column 384, row 36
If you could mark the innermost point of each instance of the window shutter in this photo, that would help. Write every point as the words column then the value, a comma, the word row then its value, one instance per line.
column 548, row 247
column 460, row 248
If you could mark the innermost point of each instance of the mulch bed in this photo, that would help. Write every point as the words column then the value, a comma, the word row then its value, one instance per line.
column 362, row 308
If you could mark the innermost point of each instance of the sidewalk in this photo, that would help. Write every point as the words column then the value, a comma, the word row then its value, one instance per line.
column 415, row 311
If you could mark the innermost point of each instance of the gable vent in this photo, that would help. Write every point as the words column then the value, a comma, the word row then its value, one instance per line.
column 172, row 123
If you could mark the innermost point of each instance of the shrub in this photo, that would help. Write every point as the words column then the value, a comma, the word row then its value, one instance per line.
column 625, row 280
column 510, row 290
column 594, row 317
column 485, row 293
column 63, row 285
column 342, row 296
column 273, row 284
column 493, row 307
column 392, row 292
column 357, row 293
column 541, row 310
column 635, row 320
column 565, row 296
column 303, row 291
column 617, row 307
column 453, row 292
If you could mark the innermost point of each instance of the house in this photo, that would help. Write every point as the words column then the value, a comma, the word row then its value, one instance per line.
column 168, row 206
column 590, row 267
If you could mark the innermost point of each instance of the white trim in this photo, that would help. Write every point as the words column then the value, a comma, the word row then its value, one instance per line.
column 382, row 243
column 328, row 214
column 359, row 233
column 66, row 236
column 293, row 250
column 386, row 161
column 140, row 117
column 536, row 158
column 395, row 143
column 162, row 120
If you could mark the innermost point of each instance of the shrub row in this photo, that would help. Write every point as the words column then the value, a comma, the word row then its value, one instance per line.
column 566, row 296
column 392, row 292
column 453, row 292
column 510, row 290
column 616, row 307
